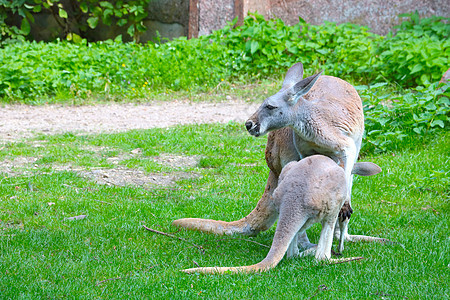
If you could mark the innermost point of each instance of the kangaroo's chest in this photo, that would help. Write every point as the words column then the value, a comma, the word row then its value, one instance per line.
column 307, row 147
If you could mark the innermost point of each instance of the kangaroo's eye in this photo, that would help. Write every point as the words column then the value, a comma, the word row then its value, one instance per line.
column 270, row 107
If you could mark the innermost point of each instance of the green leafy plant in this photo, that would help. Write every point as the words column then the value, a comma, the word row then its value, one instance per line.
column 74, row 21
column 267, row 47
column 417, row 54
column 432, row 26
column 11, row 32
column 122, row 13
column 416, row 115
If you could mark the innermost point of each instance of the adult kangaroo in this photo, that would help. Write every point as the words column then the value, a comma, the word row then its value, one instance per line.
column 315, row 115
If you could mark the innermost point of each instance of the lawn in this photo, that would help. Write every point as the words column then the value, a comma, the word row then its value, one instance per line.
column 108, row 254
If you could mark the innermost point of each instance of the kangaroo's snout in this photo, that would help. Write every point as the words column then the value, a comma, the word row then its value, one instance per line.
column 252, row 128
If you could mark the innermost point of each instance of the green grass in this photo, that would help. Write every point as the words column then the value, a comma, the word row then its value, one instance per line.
column 44, row 255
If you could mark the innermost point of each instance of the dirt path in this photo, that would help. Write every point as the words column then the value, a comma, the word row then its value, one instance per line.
column 21, row 121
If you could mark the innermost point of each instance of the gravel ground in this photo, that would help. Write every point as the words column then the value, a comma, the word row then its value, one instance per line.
column 22, row 121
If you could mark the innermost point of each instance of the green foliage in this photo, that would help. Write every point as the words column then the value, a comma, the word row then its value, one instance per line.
column 259, row 48
column 122, row 13
column 418, row 53
column 13, row 32
column 108, row 68
column 419, row 27
column 414, row 116
column 80, row 15
column 267, row 47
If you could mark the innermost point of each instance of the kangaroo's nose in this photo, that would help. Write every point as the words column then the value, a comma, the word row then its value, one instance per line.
column 248, row 125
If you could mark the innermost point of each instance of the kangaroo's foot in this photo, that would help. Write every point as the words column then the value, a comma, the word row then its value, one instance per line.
column 312, row 252
column 343, row 260
column 342, row 224
column 259, row 267
column 260, row 219
column 308, row 252
column 303, row 242
column 365, row 238
column 221, row 270
column 358, row 238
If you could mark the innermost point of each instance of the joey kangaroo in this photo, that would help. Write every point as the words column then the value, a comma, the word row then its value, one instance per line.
column 311, row 190
column 316, row 115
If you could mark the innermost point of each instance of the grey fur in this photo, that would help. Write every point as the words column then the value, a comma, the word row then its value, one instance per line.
column 310, row 191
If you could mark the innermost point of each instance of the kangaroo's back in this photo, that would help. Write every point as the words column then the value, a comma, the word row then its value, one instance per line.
column 341, row 100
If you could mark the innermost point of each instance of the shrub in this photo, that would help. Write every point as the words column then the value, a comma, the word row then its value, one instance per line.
column 109, row 69
column 74, row 17
column 261, row 47
column 391, row 121
column 416, row 55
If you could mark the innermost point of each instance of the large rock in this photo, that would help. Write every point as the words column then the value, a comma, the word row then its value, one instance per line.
column 169, row 11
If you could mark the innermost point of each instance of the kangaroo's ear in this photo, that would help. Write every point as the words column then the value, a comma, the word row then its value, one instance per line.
column 293, row 75
column 303, row 87
column 366, row 169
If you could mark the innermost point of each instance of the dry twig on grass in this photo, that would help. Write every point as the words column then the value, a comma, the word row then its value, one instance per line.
column 175, row 237
column 111, row 279
column 348, row 260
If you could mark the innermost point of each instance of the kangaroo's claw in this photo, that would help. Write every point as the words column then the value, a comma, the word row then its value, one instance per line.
column 334, row 253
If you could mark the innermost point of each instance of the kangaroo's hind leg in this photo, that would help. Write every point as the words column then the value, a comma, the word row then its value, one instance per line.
column 285, row 238
column 341, row 231
column 323, row 251
column 326, row 240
